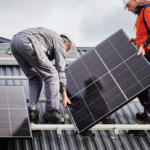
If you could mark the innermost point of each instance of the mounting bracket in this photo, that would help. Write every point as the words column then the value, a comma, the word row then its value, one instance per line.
column 59, row 132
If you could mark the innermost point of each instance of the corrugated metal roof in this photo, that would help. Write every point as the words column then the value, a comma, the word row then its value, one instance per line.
column 83, row 50
column 4, row 40
column 103, row 140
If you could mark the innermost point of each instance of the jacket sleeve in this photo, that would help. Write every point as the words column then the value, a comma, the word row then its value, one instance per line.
column 147, row 19
column 60, row 62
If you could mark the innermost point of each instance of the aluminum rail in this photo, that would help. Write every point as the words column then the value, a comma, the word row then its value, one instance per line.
column 96, row 127
column 41, row 100
column 68, row 60
column 7, row 59
column 13, row 78
column 114, row 127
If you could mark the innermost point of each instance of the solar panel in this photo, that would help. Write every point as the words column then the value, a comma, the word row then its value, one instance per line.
column 3, row 47
column 14, row 120
column 105, row 79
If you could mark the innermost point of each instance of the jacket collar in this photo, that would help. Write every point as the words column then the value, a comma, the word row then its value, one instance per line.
column 138, row 9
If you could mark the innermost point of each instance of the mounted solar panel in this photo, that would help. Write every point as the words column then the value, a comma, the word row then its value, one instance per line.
column 105, row 79
column 14, row 120
column 3, row 47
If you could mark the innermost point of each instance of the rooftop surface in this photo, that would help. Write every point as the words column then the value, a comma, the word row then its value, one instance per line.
column 103, row 140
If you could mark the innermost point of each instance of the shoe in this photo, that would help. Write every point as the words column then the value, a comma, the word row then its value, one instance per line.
column 34, row 113
column 108, row 121
column 140, row 115
column 54, row 114
column 144, row 122
column 139, row 132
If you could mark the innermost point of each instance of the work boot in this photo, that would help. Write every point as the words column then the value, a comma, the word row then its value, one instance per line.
column 108, row 121
column 139, row 132
column 144, row 122
column 34, row 113
column 140, row 115
column 54, row 114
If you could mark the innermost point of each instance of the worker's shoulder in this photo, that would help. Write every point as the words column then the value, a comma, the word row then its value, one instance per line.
column 147, row 9
column 49, row 33
column 53, row 34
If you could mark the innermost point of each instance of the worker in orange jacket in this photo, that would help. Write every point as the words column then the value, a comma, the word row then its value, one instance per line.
column 141, row 8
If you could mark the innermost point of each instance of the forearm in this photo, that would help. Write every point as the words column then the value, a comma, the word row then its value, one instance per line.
column 65, row 99
column 63, row 81
column 63, row 94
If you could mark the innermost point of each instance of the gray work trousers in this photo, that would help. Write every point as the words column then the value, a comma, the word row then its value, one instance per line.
column 23, row 50
column 145, row 98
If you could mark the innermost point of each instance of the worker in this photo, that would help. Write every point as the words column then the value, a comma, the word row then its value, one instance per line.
column 141, row 8
column 34, row 48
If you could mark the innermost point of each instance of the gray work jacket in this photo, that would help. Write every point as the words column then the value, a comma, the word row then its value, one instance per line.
column 54, row 48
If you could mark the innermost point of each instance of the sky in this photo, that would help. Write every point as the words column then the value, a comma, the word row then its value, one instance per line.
column 88, row 21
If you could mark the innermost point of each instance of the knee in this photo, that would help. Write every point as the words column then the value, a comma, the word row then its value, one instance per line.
column 53, row 77
column 35, row 79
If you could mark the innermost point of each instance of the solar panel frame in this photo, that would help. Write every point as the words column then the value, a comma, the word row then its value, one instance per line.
column 104, row 44
column 14, row 114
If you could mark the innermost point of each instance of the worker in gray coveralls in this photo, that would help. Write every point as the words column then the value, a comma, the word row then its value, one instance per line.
column 33, row 49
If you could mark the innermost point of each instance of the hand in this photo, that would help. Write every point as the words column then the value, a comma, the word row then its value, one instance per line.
column 141, row 50
column 133, row 40
column 65, row 101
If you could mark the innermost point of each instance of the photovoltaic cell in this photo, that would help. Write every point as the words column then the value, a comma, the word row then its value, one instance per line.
column 14, row 120
column 105, row 79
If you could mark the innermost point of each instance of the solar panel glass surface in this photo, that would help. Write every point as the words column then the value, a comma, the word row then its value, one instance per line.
column 14, row 120
column 105, row 79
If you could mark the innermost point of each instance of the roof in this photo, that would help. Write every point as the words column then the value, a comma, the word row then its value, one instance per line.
column 4, row 40
column 103, row 140
column 83, row 50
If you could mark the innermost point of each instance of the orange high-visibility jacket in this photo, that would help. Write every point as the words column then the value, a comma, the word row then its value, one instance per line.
column 141, row 31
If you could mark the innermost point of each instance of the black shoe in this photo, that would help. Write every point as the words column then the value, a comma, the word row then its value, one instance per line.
column 144, row 122
column 54, row 114
column 140, row 115
column 137, row 132
column 34, row 113
column 108, row 121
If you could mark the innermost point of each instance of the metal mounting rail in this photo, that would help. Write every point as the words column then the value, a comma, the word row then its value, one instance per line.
column 13, row 78
column 41, row 100
column 116, row 128
column 96, row 127
column 68, row 60
column 7, row 59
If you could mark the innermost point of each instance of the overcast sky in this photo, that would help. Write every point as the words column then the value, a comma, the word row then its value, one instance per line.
column 88, row 21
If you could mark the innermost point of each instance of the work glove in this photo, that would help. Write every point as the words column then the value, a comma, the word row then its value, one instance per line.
column 8, row 51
